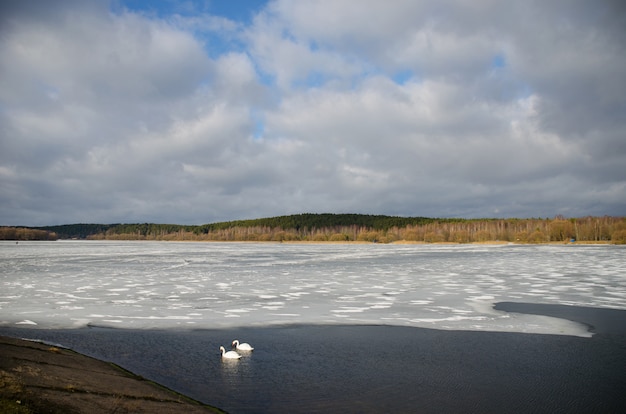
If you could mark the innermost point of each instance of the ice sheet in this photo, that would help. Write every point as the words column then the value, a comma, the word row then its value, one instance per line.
column 213, row 285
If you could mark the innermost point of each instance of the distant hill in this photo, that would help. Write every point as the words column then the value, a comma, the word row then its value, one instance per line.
column 305, row 221
column 77, row 231
column 346, row 227
column 310, row 221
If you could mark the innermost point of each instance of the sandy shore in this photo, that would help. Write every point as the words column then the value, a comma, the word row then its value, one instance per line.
column 38, row 378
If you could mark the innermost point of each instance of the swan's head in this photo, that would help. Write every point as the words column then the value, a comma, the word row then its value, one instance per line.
column 235, row 343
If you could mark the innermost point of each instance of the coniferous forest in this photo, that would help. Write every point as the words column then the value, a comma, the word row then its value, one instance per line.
column 347, row 228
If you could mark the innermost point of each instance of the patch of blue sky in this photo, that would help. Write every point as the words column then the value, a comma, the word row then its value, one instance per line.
column 498, row 62
column 403, row 76
column 240, row 10
column 217, row 41
column 266, row 78
column 314, row 46
column 217, row 44
column 158, row 9
column 259, row 130
column 258, row 119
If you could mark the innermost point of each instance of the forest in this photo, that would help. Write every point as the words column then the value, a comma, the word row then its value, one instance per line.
column 23, row 233
column 348, row 228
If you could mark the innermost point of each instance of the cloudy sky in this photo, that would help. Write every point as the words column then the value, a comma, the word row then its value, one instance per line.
column 193, row 112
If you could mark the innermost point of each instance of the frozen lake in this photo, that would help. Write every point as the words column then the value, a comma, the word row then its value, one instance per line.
column 137, row 285
column 336, row 328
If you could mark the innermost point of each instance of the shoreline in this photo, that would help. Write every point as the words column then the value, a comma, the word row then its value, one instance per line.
column 347, row 242
column 38, row 377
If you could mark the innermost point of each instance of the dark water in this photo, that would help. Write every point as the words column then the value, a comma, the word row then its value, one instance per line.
column 373, row 369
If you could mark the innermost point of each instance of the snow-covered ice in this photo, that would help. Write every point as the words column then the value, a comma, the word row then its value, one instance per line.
column 218, row 285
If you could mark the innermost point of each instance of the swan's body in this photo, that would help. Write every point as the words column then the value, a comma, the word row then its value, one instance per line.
column 229, row 354
column 242, row 347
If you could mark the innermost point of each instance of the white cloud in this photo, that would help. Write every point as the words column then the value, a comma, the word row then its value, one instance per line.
column 419, row 108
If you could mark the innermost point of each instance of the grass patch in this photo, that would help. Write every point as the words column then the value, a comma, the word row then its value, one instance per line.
column 12, row 395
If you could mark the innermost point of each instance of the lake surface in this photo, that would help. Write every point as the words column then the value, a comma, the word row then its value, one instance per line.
column 224, row 285
column 337, row 328
column 369, row 369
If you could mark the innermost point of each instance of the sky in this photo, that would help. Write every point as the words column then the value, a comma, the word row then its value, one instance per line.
column 194, row 112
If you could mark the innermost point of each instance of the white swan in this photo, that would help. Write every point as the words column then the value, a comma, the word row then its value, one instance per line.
column 229, row 354
column 242, row 347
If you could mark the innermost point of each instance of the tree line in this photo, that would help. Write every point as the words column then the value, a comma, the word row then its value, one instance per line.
column 351, row 227
column 22, row 234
